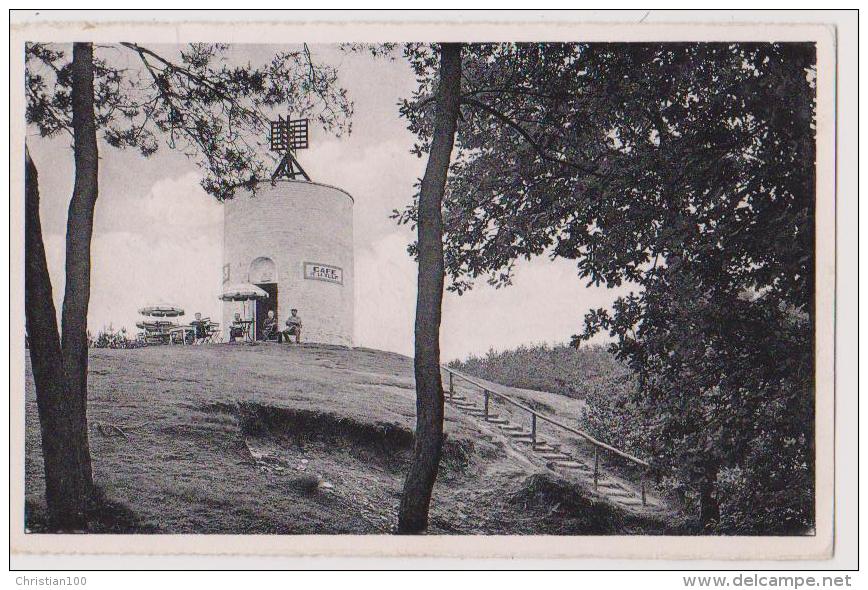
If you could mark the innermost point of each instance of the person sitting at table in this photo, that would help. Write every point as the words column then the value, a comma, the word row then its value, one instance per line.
column 293, row 327
column 269, row 327
column 200, row 328
column 236, row 330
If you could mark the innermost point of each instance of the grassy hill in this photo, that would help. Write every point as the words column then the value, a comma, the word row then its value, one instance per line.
column 286, row 439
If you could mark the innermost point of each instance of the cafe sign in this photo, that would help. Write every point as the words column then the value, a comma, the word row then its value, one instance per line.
column 323, row 272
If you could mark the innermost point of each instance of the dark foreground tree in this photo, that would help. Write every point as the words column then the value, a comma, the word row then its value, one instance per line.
column 67, row 466
column 212, row 112
column 415, row 501
column 686, row 170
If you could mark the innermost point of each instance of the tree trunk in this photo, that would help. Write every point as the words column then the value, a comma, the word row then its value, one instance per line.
column 60, row 366
column 79, row 230
column 709, row 505
column 65, row 487
column 413, row 515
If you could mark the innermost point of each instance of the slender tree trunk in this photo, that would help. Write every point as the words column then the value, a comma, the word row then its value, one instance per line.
column 60, row 364
column 65, row 488
column 709, row 505
column 415, row 501
column 79, row 230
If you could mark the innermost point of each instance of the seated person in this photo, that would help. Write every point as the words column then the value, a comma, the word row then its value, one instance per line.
column 236, row 330
column 293, row 327
column 200, row 327
column 269, row 327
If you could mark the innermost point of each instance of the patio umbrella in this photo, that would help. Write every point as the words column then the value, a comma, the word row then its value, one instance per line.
column 162, row 310
column 243, row 292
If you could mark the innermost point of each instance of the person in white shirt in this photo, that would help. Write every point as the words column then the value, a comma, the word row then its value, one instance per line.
column 293, row 327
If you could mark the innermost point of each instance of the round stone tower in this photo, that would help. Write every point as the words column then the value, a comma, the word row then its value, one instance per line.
column 294, row 239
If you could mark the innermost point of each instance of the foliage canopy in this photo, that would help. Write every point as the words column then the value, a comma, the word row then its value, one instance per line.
column 197, row 100
column 685, row 171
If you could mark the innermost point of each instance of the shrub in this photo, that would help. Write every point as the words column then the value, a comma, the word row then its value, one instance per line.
column 770, row 490
column 109, row 338
column 557, row 369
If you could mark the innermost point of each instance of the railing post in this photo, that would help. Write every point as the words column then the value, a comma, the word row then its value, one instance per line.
column 643, row 489
column 485, row 392
column 596, row 466
column 451, row 386
column 533, row 429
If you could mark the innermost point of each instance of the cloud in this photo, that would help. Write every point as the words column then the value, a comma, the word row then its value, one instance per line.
column 380, row 177
column 172, row 205
column 181, row 203
column 132, row 270
column 166, row 246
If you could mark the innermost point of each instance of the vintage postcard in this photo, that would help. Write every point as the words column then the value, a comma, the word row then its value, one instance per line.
column 409, row 289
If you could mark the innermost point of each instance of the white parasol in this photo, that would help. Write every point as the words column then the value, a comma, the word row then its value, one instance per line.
column 162, row 310
column 243, row 292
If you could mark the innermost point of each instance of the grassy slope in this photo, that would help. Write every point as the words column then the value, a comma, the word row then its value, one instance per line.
column 284, row 439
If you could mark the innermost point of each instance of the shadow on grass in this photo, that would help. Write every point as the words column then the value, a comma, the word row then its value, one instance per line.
column 104, row 515
column 389, row 444
column 561, row 508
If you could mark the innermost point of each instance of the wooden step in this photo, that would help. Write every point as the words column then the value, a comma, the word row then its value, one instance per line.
column 522, row 439
column 570, row 465
column 468, row 409
column 619, row 494
column 514, row 433
column 557, row 456
column 610, row 485
column 496, row 420
column 518, row 434
column 545, row 447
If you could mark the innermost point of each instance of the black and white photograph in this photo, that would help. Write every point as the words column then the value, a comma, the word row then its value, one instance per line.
column 571, row 287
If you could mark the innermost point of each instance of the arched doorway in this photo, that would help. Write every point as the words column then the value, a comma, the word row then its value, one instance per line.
column 263, row 274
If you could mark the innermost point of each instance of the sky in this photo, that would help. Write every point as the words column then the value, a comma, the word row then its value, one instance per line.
column 158, row 235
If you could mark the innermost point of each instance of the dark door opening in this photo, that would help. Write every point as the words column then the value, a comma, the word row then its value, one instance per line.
column 264, row 305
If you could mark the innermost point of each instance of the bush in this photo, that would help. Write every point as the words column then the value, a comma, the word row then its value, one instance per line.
column 557, row 369
column 109, row 338
column 769, row 491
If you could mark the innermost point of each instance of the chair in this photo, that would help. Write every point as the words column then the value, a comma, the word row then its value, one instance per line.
column 212, row 333
column 274, row 336
column 179, row 334
column 194, row 330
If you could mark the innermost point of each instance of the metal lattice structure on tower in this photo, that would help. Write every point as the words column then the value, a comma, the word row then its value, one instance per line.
column 287, row 136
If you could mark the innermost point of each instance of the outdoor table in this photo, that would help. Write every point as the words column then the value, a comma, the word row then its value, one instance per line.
column 182, row 330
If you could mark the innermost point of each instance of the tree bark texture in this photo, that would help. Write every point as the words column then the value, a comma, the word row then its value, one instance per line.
column 65, row 488
column 60, row 362
column 416, row 498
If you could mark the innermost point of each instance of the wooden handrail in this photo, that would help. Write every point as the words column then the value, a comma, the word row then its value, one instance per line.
column 550, row 420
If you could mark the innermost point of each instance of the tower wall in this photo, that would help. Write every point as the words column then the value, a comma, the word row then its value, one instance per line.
column 306, row 229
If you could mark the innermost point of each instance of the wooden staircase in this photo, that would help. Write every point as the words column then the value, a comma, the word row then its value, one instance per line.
column 571, row 464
